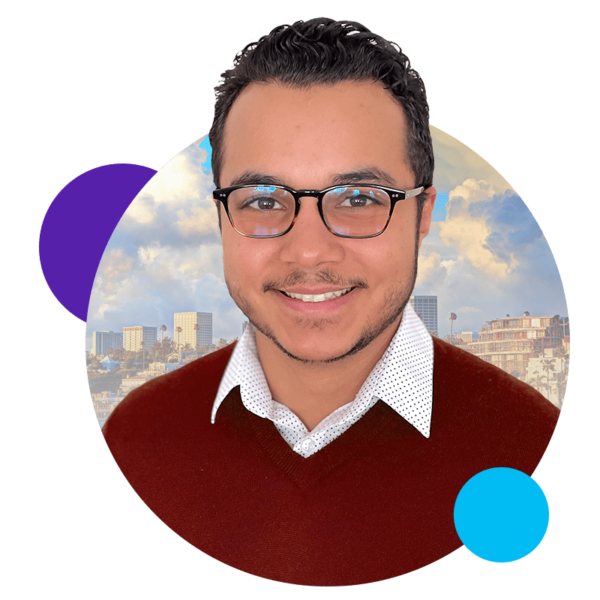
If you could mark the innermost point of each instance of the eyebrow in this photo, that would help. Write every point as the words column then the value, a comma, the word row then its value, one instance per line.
column 366, row 175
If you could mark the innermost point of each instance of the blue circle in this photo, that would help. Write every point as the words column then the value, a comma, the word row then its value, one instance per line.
column 501, row 514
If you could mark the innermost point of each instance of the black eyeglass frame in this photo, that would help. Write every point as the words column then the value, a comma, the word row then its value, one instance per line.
column 222, row 195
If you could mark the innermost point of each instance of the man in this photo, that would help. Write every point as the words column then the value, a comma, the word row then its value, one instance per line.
column 328, row 446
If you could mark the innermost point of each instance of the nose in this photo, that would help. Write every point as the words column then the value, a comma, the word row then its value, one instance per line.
column 309, row 243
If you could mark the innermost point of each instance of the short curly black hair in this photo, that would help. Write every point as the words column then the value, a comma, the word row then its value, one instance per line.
column 324, row 51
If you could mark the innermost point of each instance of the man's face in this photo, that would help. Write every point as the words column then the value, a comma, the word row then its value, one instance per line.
column 314, row 138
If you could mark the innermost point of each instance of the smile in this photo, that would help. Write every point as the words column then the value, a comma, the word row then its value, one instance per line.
column 318, row 297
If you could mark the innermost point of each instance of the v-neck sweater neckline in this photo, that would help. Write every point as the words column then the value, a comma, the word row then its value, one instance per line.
column 307, row 472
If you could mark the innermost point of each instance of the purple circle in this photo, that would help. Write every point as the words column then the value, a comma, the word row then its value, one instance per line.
column 78, row 225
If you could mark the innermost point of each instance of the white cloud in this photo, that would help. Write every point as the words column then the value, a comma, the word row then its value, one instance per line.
column 99, row 313
column 201, row 221
column 141, row 210
column 178, row 181
column 447, row 264
column 468, row 231
column 180, row 184
column 115, row 265
column 147, row 255
column 431, row 268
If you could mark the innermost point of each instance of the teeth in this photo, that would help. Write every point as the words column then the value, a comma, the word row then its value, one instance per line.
column 318, row 297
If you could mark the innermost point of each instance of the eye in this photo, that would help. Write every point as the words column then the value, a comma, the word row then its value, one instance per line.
column 356, row 201
column 264, row 203
column 359, row 199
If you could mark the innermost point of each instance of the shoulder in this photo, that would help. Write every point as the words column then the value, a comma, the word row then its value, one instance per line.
column 459, row 373
column 169, row 400
column 486, row 416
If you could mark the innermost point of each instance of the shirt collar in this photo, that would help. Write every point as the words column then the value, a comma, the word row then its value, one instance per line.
column 403, row 378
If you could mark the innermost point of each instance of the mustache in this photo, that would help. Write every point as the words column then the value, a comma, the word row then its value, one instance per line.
column 327, row 276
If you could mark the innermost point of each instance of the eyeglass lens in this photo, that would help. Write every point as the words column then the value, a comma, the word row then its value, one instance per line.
column 348, row 211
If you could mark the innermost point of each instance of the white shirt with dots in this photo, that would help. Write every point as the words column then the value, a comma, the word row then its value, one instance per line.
column 403, row 379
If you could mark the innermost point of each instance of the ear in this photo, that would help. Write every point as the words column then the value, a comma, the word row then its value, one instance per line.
column 428, row 205
column 431, row 193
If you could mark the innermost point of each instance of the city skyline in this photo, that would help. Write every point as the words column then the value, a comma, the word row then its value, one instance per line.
column 170, row 331
column 196, row 330
column 472, row 335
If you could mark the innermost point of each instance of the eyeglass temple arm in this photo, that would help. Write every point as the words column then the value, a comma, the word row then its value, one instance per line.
column 412, row 193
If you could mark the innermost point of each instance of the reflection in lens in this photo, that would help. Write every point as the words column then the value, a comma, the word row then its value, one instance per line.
column 340, row 230
column 263, row 231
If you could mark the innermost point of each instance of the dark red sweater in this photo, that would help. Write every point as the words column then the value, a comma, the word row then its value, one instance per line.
column 375, row 503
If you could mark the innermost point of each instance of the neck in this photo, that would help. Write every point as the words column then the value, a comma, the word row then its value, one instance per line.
column 312, row 391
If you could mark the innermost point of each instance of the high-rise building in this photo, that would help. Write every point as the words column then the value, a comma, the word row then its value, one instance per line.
column 134, row 336
column 103, row 341
column 196, row 329
column 427, row 309
column 244, row 325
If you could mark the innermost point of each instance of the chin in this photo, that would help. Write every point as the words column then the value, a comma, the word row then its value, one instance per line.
column 308, row 357
column 288, row 344
column 323, row 347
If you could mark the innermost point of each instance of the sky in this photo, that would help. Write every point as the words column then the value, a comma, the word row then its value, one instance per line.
column 485, row 256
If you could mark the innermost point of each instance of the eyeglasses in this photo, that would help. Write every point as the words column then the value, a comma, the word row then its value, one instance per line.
column 348, row 211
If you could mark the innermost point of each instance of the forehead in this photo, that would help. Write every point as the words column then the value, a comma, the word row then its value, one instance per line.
column 307, row 135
